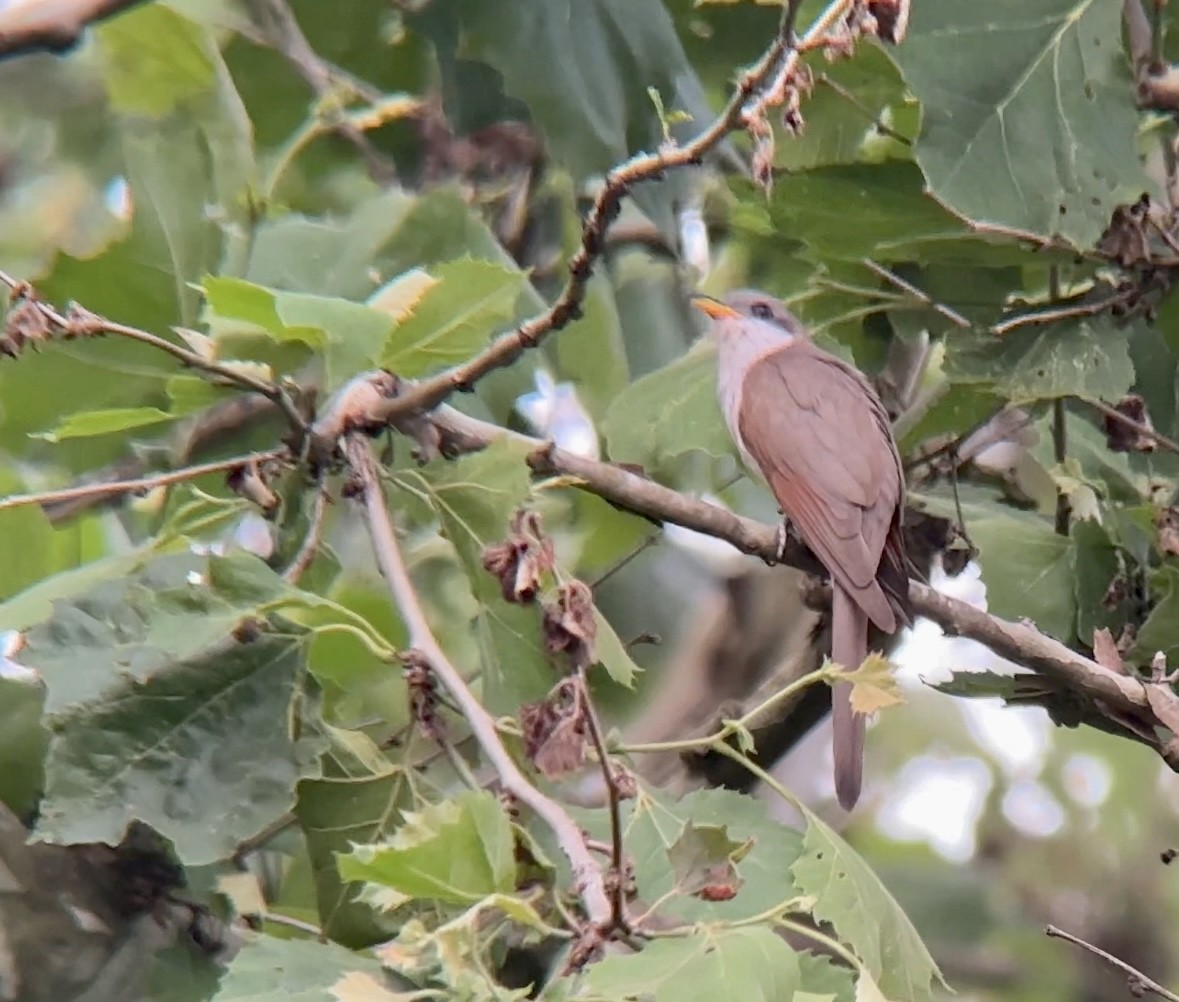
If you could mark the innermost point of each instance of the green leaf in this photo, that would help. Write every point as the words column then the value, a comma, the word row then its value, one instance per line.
column 454, row 318
column 1028, row 112
column 1160, row 632
column 752, row 963
column 668, row 413
column 291, row 970
column 591, row 104
column 352, row 255
column 1096, row 563
column 30, row 551
column 839, row 122
column 90, row 423
column 457, row 851
column 849, row 211
column 823, row 979
column 863, row 914
column 989, row 684
column 1086, row 358
column 350, row 335
column 705, row 856
column 654, row 823
column 614, row 657
column 474, row 498
column 1026, row 566
column 137, row 628
column 23, row 745
column 337, row 812
column 154, row 59
column 591, row 352
column 206, row 752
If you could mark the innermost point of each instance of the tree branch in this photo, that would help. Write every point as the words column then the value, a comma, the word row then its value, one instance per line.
column 110, row 488
column 80, row 322
column 587, row 875
column 53, row 25
column 1112, row 696
column 1137, row 982
column 764, row 83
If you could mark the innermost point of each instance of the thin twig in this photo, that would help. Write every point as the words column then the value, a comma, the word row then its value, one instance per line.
column 732, row 727
column 1137, row 981
column 614, row 797
column 588, row 881
column 877, row 120
column 1114, row 414
column 890, row 276
column 781, row 56
column 644, row 545
column 291, row 922
column 310, row 545
column 226, row 374
column 1060, row 454
column 281, row 29
column 1041, row 317
column 54, row 25
column 112, row 487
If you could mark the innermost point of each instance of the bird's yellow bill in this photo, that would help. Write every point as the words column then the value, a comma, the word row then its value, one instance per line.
column 714, row 308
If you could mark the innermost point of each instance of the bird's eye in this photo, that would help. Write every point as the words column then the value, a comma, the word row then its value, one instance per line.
column 762, row 311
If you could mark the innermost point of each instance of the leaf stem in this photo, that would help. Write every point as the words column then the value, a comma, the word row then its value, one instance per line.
column 732, row 727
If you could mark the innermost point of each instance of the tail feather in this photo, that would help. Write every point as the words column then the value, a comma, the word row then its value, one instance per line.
column 849, row 647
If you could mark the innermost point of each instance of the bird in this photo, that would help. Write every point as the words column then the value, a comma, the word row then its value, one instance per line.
column 816, row 431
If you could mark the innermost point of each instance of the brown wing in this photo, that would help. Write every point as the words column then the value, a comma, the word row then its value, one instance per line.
column 824, row 445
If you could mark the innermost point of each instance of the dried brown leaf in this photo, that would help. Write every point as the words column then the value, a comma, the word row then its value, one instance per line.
column 569, row 625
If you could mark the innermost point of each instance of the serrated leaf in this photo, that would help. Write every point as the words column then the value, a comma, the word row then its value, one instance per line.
column 614, row 657
column 752, row 963
column 1028, row 115
column 349, row 334
column 705, row 856
column 863, row 914
column 204, row 753
column 1087, row 358
column 1026, row 566
column 454, row 318
column 139, row 627
column 874, row 685
column 849, row 211
column 267, row 969
column 90, row 423
column 668, row 413
column 653, row 822
column 335, row 813
column 457, row 851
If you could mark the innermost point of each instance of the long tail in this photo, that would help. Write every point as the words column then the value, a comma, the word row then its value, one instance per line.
column 849, row 647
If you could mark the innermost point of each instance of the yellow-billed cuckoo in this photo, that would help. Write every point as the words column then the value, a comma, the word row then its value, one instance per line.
column 817, row 432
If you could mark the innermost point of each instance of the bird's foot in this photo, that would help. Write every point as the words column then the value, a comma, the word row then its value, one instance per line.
column 782, row 543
